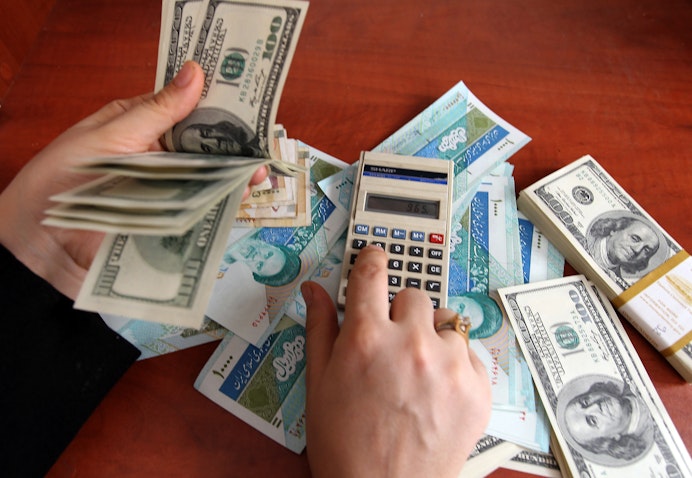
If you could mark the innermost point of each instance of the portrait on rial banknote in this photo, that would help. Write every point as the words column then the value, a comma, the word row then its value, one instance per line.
column 485, row 314
column 604, row 420
column 270, row 264
column 625, row 245
column 216, row 131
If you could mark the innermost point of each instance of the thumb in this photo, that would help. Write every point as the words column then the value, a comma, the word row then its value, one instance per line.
column 321, row 328
column 147, row 120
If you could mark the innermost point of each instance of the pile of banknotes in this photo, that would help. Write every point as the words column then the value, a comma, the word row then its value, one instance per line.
column 257, row 371
column 234, row 272
column 608, row 237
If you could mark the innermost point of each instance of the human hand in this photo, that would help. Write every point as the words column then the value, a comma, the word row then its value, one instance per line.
column 63, row 256
column 387, row 395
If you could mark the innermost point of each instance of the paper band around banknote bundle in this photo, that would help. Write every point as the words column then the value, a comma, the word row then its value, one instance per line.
column 667, row 331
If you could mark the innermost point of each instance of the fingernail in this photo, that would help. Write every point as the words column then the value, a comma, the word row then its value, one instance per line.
column 306, row 290
column 185, row 75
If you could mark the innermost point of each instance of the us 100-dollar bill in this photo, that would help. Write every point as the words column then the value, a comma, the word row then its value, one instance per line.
column 586, row 213
column 606, row 414
column 165, row 279
column 245, row 50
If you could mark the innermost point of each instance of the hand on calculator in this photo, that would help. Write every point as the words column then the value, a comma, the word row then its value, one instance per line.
column 386, row 393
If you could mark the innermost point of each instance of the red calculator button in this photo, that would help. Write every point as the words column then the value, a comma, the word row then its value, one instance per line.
column 437, row 238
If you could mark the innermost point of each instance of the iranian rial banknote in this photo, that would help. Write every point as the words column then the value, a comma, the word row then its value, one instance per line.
column 607, row 416
column 540, row 259
column 460, row 128
column 262, row 385
column 154, row 339
column 245, row 50
column 290, row 212
column 265, row 386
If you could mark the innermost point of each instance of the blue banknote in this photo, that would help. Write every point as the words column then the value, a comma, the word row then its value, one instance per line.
column 262, row 385
column 540, row 258
column 154, row 339
column 486, row 255
column 460, row 128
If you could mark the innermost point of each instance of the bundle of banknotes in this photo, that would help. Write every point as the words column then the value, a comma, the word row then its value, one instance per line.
column 612, row 240
column 155, row 194
column 606, row 416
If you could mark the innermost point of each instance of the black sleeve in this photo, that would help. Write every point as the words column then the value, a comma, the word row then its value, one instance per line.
column 56, row 365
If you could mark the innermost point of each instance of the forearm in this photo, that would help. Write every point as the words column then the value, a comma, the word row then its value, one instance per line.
column 56, row 364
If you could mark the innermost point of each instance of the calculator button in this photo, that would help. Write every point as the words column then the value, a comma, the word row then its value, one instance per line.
column 361, row 229
column 413, row 282
column 396, row 248
column 391, row 296
column 417, row 236
column 433, row 285
column 379, row 244
column 415, row 267
column 396, row 264
column 436, row 238
column 398, row 233
column 415, row 251
column 435, row 269
column 435, row 302
column 353, row 258
column 395, row 281
column 379, row 231
column 359, row 243
column 435, row 253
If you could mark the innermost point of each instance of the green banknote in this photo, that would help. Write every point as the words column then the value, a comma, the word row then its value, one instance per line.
column 604, row 409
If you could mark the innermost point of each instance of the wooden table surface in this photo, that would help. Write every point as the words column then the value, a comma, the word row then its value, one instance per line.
column 611, row 79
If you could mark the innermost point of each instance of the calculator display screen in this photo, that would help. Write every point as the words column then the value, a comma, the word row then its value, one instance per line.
column 407, row 207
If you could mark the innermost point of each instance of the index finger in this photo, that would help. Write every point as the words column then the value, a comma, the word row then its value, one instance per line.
column 367, row 288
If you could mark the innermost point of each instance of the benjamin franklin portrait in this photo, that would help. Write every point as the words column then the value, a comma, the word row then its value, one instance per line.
column 604, row 420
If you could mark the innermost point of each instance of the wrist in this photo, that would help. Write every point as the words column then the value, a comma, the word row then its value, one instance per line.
column 27, row 240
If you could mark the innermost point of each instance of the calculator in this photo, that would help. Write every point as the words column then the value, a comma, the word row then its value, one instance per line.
column 403, row 204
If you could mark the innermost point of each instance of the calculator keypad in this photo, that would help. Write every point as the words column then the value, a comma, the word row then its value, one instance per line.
column 416, row 258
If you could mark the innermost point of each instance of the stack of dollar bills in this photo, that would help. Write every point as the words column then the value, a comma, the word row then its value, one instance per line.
column 606, row 416
column 608, row 237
